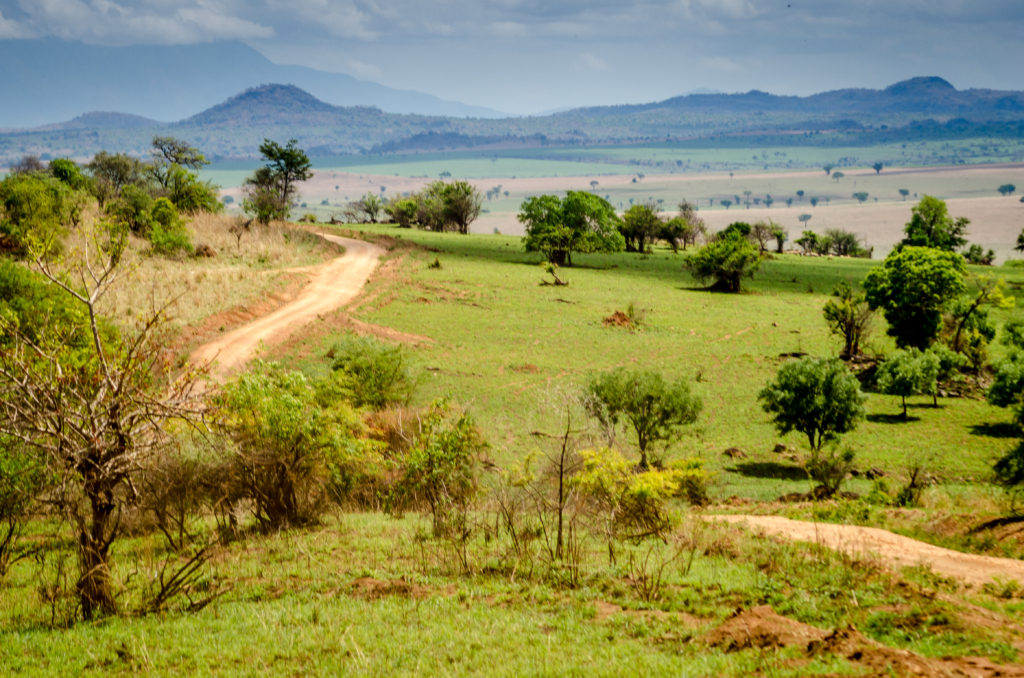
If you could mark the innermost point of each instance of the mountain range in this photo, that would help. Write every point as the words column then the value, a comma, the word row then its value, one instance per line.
column 919, row 108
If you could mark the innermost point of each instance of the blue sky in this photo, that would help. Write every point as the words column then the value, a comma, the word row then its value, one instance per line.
column 525, row 56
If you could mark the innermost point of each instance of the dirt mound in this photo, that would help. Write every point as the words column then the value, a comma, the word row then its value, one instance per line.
column 761, row 627
column 881, row 660
column 374, row 589
column 618, row 319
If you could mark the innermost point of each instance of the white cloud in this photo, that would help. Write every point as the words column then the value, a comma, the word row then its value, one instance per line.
column 361, row 69
column 342, row 19
column 10, row 29
column 719, row 64
column 591, row 62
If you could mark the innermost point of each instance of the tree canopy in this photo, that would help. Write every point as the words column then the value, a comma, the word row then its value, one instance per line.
column 931, row 225
column 818, row 397
column 579, row 222
column 726, row 260
column 912, row 287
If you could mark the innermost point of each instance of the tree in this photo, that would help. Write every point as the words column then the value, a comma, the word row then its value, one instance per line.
column 365, row 210
column 907, row 373
column 640, row 226
column 878, row 167
column 168, row 153
column 968, row 328
column 904, row 193
column 837, row 175
column 861, row 196
column 1007, row 389
column 814, row 201
column 36, row 209
column 580, row 222
column 726, row 260
column 1007, row 189
column 461, row 203
column 402, row 211
column 817, row 397
column 828, row 168
column 931, row 226
column 111, row 172
column 1019, row 247
column 284, row 165
column 808, row 240
column 780, row 236
column 912, row 287
column 655, row 410
column 843, row 243
column 93, row 416
column 804, row 218
column 262, row 197
column 848, row 315
column 762, row 232
column 726, row 203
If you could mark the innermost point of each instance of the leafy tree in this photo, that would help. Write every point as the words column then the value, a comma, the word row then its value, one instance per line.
column 111, row 172
column 68, row 172
column 912, row 287
column 132, row 208
column 843, row 243
column 968, row 329
column 1007, row 189
column 167, row 233
column 726, row 260
column 366, row 210
column 977, row 255
column 814, row 201
column 817, row 397
column 861, row 196
column 837, row 175
column 580, row 222
column 808, row 240
column 1007, row 389
column 878, row 167
column 780, row 236
column 168, row 153
column 726, row 203
column 271, row 189
column 804, row 218
column 931, row 226
column 904, row 193
column 907, row 373
column 640, row 226
column 1020, row 242
column 653, row 408
column 35, row 209
column 461, row 203
column 848, row 315
column 402, row 211
column 762, row 232
column 828, row 167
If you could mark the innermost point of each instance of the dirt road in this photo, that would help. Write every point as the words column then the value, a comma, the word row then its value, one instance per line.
column 891, row 549
column 333, row 285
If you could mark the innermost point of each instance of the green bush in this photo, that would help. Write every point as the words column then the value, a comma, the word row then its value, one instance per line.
column 371, row 373
column 726, row 261
column 168, row 235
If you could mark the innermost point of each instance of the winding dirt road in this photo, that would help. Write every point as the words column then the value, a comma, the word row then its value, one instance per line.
column 333, row 285
column 891, row 549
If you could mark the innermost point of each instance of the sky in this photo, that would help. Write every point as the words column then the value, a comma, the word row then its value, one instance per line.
column 531, row 56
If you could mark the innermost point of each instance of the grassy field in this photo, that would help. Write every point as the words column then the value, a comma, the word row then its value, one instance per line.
column 367, row 594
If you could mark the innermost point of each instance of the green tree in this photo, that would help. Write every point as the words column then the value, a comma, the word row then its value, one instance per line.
column 907, row 373
column 640, row 226
column 1007, row 189
column 878, row 166
column 848, row 315
column 111, row 172
column 726, row 260
column 1007, row 389
column 36, row 209
column 402, row 211
column 461, row 203
column 371, row 373
column 580, row 222
column 931, row 225
column 1019, row 247
column 654, row 409
column 168, row 153
column 817, row 397
column 913, row 287
column 284, row 166
column 861, row 196
column 808, row 240
column 904, row 193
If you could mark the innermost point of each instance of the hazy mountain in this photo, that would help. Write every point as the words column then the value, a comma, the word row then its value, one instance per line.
column 919, row 108
column 44, row 81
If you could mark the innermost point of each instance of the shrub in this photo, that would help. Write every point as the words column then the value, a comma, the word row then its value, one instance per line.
column 829, row 469
column 371, row 373
column 726, row 261
column 167, row 234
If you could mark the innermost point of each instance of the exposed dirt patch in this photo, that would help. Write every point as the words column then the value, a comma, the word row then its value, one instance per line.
column 618, row 319
column 525, row 368
column 891, row 549
column 375, row 589
column 761, row 627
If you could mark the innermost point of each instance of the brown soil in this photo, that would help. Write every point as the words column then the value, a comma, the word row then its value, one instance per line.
column 762, row 628
column 374, row 589
column 331, row 286
column 891, row 549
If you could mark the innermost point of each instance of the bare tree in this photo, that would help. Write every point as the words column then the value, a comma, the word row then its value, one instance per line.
column 93, row 415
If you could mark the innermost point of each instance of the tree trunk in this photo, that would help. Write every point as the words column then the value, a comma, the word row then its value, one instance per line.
column 94, row 586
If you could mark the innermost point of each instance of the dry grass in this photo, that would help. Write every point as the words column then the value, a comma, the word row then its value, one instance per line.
column 244, row 271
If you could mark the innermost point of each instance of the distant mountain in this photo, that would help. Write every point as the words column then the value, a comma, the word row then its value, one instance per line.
column 915, row 109
column 44, row 81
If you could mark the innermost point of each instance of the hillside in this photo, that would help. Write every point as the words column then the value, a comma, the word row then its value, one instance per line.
column 915, row 109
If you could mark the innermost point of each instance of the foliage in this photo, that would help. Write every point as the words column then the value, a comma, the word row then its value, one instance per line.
column 931, row 225
column 92, row 416
column 1007, row 389
column 270, row 191
column 829, row 468
column 684, row 228
column 366, row 210
column 968, row 327
column 817, row 397
column 262, row 197
column 285, row 437
column 654, row 409
column 111, row 172
column 68, row 172
column 1007, row 189
column 132, row 207
column 580, row 222
column 36, row 209
column 977, row 255
column 402, row 211
column 461, row 203
column 726, row 260
column 907, row 373
column 808, row 240
column 167, row 233
column 441, row 469
column 371, row 373
column 848, row 315
column 22, row 481
column 640, row 226
column 912, row 287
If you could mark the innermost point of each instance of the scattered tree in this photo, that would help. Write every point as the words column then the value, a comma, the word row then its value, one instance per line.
column 931, row 226
column 655, row 410
column 904, row 193
column 1007, row 189
column 861, row 196
column 580, row 222
column 848, row 315
column 726, row 260
column 907, row 373
column 878, row 167
column 817, row 397
column 640, row 226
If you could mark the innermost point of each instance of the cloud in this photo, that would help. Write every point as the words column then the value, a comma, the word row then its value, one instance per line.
column 10, row 29
column 343, row 19
column 361, row 69
column 591, row 62
column 719, row 64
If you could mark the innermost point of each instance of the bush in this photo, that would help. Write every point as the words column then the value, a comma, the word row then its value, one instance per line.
column 167, row 234
column 726, row 261
column 371, row 373
column 829, row 469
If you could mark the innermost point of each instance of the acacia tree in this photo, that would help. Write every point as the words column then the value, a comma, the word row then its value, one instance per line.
column 848, row 315
column 727, row 260
column 654, row 409
column 579, row 222
column 92, row 416
column 271, row 189
column 640, row 226
column 818, row 397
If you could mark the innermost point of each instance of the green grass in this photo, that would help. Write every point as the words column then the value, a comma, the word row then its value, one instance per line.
column 501, row 344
